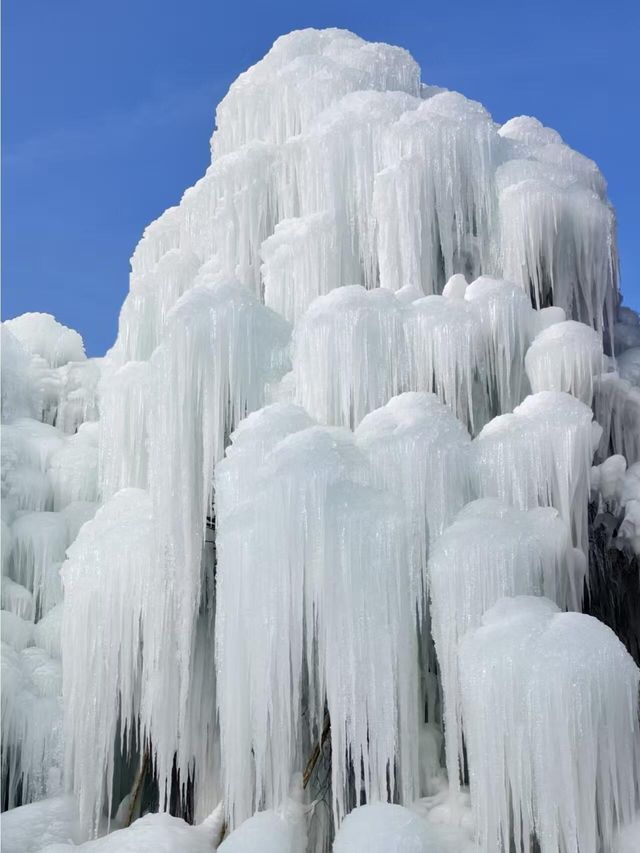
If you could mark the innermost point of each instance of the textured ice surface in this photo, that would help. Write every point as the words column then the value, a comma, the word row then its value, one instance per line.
column 31, row 720
column 153, row 833
column 341, row 543
column 565, row 357
column 31, row 828
column 540, row 455
column 533, row 682
column 281, row 831
column 420, row 452
column 386, row 828
column 349, row 354
column 41, row 334
column 490, row 551
column 106, row 583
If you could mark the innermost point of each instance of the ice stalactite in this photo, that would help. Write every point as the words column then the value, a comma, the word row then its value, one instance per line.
column 446, row 150
column 220, row 349
column 303, row 74
column 20, row 394
column 152, row 295
column 31, row 723
column 565, row 357
column 349, row 354
column 490, row 551
column 558, row 239
column 303, row 561
column 365, row 605
column 505, row 319
column 444, row 345
column 533, row 683
column 73, row 469
column 300, row 261
column 107, row 577
column 36, row 479
column 617, row 409
column 420, row 452
column 39, row 543
column 540, row 455
column 124, row 430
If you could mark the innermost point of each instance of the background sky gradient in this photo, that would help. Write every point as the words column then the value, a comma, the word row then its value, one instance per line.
column 108, row 106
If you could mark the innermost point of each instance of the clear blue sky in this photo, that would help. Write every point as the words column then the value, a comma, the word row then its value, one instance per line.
column 108, row 106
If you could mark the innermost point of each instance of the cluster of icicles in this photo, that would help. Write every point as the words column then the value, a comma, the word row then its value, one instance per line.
column 360, row 479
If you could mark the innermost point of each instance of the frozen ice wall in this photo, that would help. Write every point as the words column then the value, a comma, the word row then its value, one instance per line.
column 371, row 377
column 48, row 491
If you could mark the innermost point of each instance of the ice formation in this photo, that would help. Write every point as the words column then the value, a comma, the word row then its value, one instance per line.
column 565, row 357
column 371, row 386
column 540, row 455
column 490, row 551
column 340, row 540
column 544, row 674
column 420, row 452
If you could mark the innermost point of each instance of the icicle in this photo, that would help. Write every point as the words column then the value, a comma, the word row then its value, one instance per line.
column 231, row 211
column 160, row 237
column 342, row 544
column 560, row 689
column 31, row 724
column 333, row 166
column 372, row 692
column 444, row 183
column 73, row 469
column 125, row 406
column 221, row 347
column 109, row 579
column 300, row 262
column 237, row 476
column 443, row 342
column 419, row 451
column 21, row 396
column 17, row 599
column 490, row 551
column 348, row 354
column 77, row 400
column 540, row 455
column 280, row 525
column 565, row 357
column 616, row 406
column 303, row 74
column 39, row 544
column 505, row 318
column 558, row 243
column 150, row 299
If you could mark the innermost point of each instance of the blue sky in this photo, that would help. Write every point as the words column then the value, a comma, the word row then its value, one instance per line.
column 108, row 106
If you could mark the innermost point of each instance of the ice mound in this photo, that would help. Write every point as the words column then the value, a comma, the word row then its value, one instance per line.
column 561, row 689
column 41, row 334
column 565, row 357
column 386, row 828
column 540, row 455
column 490, row 551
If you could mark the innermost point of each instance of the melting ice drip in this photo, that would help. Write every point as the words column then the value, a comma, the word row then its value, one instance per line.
column 347, row 413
